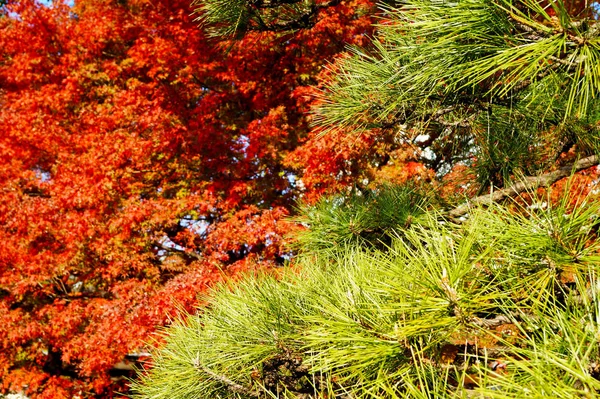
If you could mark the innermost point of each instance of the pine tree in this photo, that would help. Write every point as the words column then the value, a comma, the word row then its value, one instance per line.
column 504, row 86
column 399, row 293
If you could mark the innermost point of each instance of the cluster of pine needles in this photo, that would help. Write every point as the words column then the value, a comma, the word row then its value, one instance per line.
column 503, row 305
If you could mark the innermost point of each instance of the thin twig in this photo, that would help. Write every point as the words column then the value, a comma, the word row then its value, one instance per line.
column 231, row 385
column 528, row 183
column 451, row 294
column 499, row 320
column 182, row 251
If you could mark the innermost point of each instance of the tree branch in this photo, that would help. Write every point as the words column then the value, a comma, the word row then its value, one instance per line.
column 487, row 323
column 231, row 385
column 303, row 21
column 528, row 183
column 190, row 254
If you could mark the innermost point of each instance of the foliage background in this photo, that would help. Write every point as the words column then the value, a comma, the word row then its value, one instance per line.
column 142, row 159
column 141, row 162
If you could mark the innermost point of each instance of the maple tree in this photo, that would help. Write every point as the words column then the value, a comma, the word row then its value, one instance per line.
column 141, row 161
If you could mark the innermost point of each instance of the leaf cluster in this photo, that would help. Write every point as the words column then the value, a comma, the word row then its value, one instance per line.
column 502, row 306
column 364, row 218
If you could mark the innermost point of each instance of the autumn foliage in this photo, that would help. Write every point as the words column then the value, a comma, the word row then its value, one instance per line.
column 141, row 162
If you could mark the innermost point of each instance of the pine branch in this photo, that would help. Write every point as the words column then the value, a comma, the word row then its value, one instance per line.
column 528, row 183
column 231, row 385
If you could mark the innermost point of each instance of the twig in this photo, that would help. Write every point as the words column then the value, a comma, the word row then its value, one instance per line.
column 465, row 122
column 302, row 21
column 231, row 385
column 528, row 183
column 451, row 294
column 441, row 112
column 184, row 252
column 487, row 323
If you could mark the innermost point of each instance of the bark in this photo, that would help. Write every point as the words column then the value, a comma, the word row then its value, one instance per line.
column 527, row 183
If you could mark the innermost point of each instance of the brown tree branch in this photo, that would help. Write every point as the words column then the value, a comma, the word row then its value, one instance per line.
column 302, row 21
column 528, row 183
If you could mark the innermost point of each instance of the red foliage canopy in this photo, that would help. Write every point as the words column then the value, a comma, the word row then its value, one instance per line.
column 140, row 162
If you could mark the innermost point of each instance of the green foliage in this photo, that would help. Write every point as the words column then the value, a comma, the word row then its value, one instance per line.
column 473, row 74
column 502, row 306
column 363, row 218
column 236, row 17
column 494, row 165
